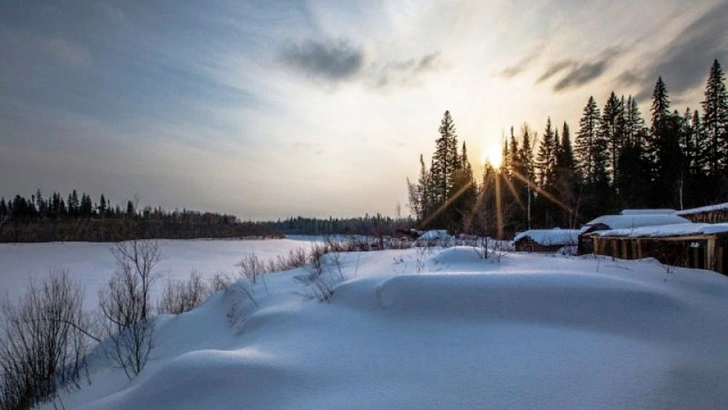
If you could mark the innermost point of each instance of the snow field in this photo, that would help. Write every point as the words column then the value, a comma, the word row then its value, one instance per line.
column 437, row 329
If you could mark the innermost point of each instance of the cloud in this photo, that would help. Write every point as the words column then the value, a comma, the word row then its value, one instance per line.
column 687, row 59
column 331, row 61
column 580, row 75
column 404, row 73
column 556, row 68
column 522, row 64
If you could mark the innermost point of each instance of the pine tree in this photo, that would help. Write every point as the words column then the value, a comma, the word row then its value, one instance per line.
column 590, row 146
column 715, row 120
column 610, row 130
column 664, row 148
column 546, row 158
column 445, row 161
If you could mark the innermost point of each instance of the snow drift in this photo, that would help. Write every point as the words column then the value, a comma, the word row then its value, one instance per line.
column 414, row 329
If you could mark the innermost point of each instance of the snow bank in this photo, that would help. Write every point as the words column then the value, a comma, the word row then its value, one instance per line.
column 434, row 329
column 547, row 237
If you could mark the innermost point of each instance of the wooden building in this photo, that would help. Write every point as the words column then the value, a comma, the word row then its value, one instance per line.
column 545, row 240
column 630, row 221
column 707, row 214
column 690, row 245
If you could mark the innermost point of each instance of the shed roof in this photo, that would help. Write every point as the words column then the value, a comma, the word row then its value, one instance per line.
column 662, row 231
column 709, row 208
column 664, row 211
column 635, row 221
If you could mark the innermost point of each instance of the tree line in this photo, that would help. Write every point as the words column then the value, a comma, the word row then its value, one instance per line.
column 374, row 225
column 79, row 218
column 614, row 161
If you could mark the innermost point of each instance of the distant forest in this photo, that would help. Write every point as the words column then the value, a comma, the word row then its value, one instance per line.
column 614, row 161
column 79, row 218
column 376, row 225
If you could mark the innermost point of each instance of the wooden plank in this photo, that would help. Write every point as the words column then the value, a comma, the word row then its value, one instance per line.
column 710, row 254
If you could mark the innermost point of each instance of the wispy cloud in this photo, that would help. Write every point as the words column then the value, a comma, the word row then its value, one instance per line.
column 580, row 75
column 522, row 64
column 685, row 62
column 328, row 60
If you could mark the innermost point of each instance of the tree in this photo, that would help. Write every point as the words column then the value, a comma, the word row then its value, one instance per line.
column 546, row 158
column 43, row 342
column 125, row 304
column 464, row 195
column 445, row 160
column 665, row 155
column 611, row 130
column 715, row 119
column 590, row 145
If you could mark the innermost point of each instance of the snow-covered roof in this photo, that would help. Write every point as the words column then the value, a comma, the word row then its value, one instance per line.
column 662, row 231
column 635, row 221
column 709, row 208
column 664, row 211
column 551, row 236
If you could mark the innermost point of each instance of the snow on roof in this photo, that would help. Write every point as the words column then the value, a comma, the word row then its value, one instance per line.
column 664, row 211
column 709, row 208
column 554, row 236
column 635, row 221
column 662, row 231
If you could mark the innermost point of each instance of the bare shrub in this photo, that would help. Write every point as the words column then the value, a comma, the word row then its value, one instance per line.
column 251, row 267
column 125, row 305
column 181, row 296
column 43, row 342
column 221, row 281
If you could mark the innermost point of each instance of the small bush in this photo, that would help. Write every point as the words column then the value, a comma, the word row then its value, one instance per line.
column 181, row 296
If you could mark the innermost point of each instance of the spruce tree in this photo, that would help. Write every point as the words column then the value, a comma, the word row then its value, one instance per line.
column 610, row 130
column 590, row 146
column 546, row 158
column 715, row 120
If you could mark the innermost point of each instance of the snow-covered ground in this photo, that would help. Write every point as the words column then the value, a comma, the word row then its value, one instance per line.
column 93, row 264
column 440, row 329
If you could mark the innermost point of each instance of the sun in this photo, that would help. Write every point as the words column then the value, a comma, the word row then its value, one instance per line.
column 493, row 155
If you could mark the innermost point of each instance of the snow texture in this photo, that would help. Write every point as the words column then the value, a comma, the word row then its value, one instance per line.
column 635, row 221
column 686, row 229
column 664, row 211
column 436, row 329
column 709, row 208
column 548, row 237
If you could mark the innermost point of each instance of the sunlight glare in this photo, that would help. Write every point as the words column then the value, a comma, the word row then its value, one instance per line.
column 493, row 155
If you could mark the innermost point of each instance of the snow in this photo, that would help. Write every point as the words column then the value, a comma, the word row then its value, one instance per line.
column 433, row 235
column 635, row 221
column 685, row 229
column 93, row 264
column 550, row 236
column 438, row 328
column 663, row 211
column 709, row 208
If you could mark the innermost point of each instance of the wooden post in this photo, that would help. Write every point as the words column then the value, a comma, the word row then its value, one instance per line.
column 710, row 254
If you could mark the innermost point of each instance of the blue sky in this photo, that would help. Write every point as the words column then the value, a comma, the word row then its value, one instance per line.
column 266, row 109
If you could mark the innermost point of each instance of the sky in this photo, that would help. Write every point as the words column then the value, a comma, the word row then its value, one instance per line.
column 266, row 109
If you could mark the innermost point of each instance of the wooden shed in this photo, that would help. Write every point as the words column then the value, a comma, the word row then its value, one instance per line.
column 545, row 240
column 707, row 214
column 631, row 221
column 691, row 245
